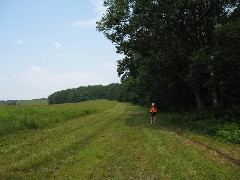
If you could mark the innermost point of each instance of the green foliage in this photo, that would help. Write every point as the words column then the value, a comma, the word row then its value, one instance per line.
column 188, row 48
column 223, row 125
column 229, row 132
column 112, row 91
column 28, row 124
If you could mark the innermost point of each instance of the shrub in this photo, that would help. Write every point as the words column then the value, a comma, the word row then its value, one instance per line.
column 222, row 124
column 229, row 132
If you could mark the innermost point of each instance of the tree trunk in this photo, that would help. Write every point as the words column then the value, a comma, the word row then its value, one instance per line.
column 217, row 95
column 200, row 102
column 197, row 93
column 214, row 96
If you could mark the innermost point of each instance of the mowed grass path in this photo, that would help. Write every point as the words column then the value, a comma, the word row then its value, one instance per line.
column 117, row 143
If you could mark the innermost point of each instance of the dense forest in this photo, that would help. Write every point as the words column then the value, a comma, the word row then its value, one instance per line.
column 182, row 54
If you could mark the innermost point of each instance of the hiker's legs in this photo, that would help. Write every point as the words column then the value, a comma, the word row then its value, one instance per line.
column 154, row 119
column 151, row 120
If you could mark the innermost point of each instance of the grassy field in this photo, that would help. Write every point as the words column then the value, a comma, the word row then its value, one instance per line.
column 111, row 141
column 20, row 117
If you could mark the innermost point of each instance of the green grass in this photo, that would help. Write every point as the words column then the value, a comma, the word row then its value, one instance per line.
column 116, row 141
column 21, row 117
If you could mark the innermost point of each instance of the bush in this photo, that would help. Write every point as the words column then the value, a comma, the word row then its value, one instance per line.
column 222, row 124
column 229, row 132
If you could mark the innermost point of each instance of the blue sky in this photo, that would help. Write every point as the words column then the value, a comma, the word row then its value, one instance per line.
column 51, row 45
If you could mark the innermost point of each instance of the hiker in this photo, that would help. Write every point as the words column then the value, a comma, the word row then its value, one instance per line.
column 153, row 111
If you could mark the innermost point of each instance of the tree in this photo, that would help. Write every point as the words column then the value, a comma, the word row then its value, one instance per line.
column 167, row 42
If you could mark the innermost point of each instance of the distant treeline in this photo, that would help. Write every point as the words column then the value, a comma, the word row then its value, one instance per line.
column 112, row 91
column 9, row 102
column 41, row 101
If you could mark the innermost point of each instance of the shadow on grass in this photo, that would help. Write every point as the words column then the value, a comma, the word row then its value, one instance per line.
column 141, row 119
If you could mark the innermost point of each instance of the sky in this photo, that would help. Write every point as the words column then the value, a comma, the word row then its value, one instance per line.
column 52, row 45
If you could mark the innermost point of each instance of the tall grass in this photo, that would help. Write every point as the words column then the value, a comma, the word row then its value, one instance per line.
column 222, row 125
column 21, row 117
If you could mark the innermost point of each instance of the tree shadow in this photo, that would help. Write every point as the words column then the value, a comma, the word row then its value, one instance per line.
column 141, row 119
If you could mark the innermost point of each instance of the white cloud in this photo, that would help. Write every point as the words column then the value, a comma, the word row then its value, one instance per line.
column 37, row 82
column 84, row 23
column 34, row 74
column 20, row 41
column 57, row 45
column 45, row 81
column 39, row 74
column 36, row 70
column 58, row 56
column 2, row 79
column 109, row 66
column 99, row 10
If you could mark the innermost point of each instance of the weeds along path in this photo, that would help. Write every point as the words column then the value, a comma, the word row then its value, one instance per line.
column 115, row 144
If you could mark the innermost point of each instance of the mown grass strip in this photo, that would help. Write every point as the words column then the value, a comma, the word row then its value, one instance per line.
column 129, row 160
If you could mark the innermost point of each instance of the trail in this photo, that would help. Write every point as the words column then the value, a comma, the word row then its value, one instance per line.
column 115, row 144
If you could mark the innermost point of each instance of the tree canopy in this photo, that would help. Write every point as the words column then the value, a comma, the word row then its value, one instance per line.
column 180, row 54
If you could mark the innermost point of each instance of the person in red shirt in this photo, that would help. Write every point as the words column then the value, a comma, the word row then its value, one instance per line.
column 153, row 111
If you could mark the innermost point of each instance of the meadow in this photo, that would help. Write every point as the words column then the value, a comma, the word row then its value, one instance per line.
column 15, row 118
column 107, row 140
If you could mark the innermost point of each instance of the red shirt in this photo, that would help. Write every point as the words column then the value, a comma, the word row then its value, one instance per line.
column 153, row 109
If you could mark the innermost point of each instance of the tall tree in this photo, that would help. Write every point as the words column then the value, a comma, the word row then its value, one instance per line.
column 166, row 41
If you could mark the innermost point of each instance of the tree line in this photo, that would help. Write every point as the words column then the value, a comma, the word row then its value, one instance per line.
column 182, row 54
column 112, row 91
